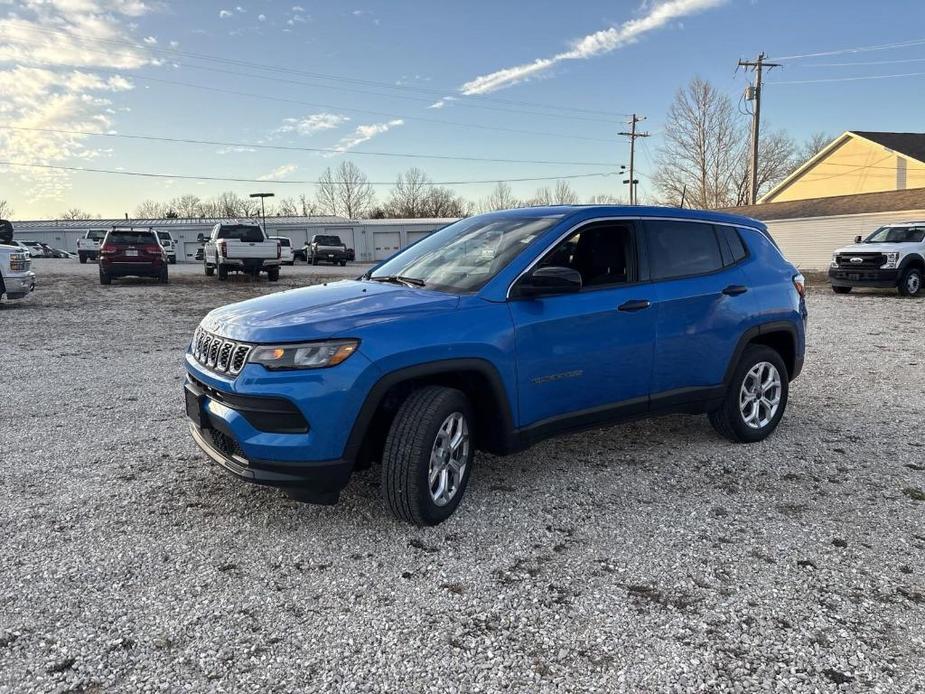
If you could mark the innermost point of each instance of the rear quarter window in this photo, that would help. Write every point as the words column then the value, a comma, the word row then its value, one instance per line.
column 682, row 249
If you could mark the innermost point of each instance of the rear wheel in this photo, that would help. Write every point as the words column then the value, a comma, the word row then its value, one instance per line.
column 427, row 459
column 756, row 398
column 343, row 263
column 105, row 277
column 273, row 274
column 222, row 272
column 910, row 284
column 83, row 258
column 841, row 290
column 163, row 278
column 209, row 269
column 172, row 260
column 314, row 260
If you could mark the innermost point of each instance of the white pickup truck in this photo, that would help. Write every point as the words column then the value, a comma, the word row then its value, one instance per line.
column 893, row 256
column 241, row 247
column 88, row 248
column 16, row 277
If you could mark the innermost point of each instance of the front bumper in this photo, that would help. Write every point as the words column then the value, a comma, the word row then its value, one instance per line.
column 848, row 277
column 19, row 286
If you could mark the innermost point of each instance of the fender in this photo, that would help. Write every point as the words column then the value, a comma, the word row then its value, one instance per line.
column 909, row 260
column 433, row 368
column 756, row 331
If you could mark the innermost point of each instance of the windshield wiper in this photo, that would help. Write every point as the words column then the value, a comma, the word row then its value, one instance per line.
column 400, row 279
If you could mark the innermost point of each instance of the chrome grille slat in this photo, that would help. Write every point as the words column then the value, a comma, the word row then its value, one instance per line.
column 218, row 354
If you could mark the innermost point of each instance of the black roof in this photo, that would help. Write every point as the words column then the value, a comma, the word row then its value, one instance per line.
column 910, row 144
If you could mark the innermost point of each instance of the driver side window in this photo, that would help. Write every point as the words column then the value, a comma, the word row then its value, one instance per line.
column 603, row 253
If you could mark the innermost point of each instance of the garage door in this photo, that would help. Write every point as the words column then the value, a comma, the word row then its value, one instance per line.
column 415, row 236
column 386, row 243
column 189, row 251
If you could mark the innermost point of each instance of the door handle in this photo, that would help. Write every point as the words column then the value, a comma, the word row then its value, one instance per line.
column 735, row 290
column 635, row 305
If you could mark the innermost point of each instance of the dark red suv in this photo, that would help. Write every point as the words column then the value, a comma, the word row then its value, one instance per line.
column 132, row 253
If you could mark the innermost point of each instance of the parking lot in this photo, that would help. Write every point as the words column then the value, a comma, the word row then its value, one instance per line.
column 647, row 557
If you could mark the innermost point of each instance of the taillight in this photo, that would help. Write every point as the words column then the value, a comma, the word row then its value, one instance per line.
column 799, row 283
column 108, row 250
column 223, row 249
column 279, row 250
column 153, row 249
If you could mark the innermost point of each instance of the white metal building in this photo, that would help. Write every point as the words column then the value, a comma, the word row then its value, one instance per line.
column 371, row 240
column 808, row 231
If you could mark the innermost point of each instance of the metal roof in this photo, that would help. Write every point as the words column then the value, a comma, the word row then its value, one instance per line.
column 26, row 225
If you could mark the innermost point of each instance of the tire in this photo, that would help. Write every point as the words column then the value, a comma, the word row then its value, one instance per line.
column 910, row 284
column 83, row 258
column 209, row 269
column 409, row 446
column 172, row 260
column 105, row 278
column 729, row 420
column 163, row 277
column 314, row 260
column 222, row 273
column 273, row 274
column 343, row 263
column 841, row 290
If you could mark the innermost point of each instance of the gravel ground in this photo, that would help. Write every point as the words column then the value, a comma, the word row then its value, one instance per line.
column 649, row 557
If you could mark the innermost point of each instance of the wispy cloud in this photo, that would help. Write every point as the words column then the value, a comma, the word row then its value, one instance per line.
column 278, row 173
column 234, row 150
column 441, row 103
column 314, row 123
column 224, row 14
column 656, row 16
column 365, row 133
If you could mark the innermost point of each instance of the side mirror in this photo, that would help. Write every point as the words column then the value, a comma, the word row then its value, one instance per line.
column 201, row 237
column 547, row 281
column 858, row 239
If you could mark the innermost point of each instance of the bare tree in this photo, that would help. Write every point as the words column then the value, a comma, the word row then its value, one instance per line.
column 562, row 194
column 307, row 206
column 704, row 145
column 6, row 211
column 287, row 207
column 816, row 143
column 188, row 206
column 409, row 196
column 150, row 209
column 75, row 213
column 606, row 199
column 501, row 198
column 345, row 191
column 443, row 203
column 777, row 158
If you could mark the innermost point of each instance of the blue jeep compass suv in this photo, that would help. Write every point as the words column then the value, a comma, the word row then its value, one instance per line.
column 492, row 334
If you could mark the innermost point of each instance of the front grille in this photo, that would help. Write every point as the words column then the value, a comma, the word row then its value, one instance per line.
column 218, row 354
column 867, row 260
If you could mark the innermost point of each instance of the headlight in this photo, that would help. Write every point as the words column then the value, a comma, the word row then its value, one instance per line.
column 310, row 355
column 834, row 262
column 892, row 260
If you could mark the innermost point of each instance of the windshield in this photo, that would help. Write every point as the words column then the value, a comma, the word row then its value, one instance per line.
column 464, row 256
column 250, row 234
column 96, row 235
column 897, row 235
column 283, row 241
column 164, row 236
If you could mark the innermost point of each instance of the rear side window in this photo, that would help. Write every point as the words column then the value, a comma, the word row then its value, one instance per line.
column 682, row 249
column 731, row 245
column 284, row 242
column 130, row 238
column 240, row 232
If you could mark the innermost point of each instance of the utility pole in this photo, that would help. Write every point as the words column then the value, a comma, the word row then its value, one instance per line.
column 632, row 135
column 754, row 94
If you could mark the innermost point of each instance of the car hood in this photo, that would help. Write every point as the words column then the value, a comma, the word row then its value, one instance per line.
column 879, row 248
column 336, row 309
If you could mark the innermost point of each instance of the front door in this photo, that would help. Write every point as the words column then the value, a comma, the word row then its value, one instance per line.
column 587, row 352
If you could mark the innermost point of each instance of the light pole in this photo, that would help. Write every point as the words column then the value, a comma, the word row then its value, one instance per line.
column 263, row 211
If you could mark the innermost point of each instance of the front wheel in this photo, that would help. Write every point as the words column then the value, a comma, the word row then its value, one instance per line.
column 222, row 272
column 273, row 274
column 209, row 269
column 841, row 290
column 428, row 454
column 910, row 284
column 83, row 258
column 756, row 398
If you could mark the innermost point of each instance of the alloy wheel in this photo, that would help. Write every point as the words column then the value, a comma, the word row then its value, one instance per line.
column 760, row 395
column 448, row 459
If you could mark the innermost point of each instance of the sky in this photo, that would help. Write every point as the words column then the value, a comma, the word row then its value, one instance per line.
column 541, row 89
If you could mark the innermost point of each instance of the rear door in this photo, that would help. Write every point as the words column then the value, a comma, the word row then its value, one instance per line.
column 703, row 304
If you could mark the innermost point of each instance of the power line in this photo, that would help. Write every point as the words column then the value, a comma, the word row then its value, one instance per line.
column 859, row 78
column 861, row 49
column 421, row 119
column 864, row 63
column 264, row 181
column 292, row 148
column 314, row 75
